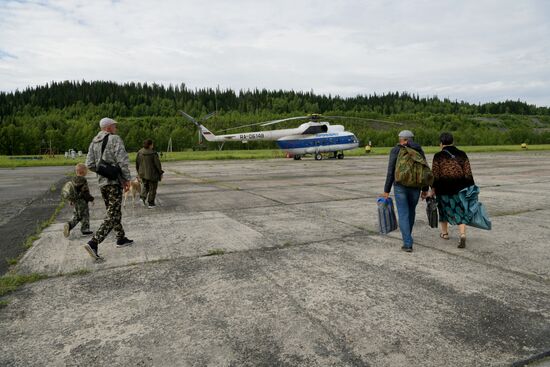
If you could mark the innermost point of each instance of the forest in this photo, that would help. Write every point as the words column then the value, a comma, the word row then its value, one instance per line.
column 65, row 115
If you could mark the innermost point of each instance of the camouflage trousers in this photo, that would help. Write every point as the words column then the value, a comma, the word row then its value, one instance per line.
column 81, row 214
column 149, row 191
column 112, row 195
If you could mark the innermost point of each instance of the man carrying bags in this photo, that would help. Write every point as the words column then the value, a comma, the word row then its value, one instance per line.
column 409, row 173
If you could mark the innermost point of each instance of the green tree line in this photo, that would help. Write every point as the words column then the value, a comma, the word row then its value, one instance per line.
column 65, row 115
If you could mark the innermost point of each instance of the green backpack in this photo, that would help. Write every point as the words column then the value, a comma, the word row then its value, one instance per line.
column 412, row 170
column 68, row 192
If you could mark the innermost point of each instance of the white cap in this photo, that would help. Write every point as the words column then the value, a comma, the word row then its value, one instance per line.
column 406, row 134
column 106, row 121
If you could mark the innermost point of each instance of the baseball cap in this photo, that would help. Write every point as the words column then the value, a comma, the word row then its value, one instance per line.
column 106, row 121
column 406, row 134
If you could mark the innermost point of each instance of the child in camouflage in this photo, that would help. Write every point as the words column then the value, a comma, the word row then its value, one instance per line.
column 82, row 197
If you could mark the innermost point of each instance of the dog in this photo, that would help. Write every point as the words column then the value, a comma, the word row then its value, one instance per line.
column 134, row 191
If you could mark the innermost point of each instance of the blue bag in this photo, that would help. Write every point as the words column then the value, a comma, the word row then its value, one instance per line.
column 387, row 221
column 478, row 217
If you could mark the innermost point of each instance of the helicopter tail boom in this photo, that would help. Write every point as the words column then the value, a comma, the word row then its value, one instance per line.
column 207, row 134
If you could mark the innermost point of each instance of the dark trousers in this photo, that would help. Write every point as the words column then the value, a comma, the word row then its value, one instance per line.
column 149, row 191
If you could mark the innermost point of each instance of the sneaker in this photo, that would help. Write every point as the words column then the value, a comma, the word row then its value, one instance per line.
column 66, row 230
column 151, row 206
column 123, row 242
column 91, row 247
column 87, row 233
column 407, row 249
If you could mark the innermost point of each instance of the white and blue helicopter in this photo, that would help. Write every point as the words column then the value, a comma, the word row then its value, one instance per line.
column 313, row 137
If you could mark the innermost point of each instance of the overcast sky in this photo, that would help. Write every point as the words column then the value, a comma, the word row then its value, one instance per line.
column 477, row 51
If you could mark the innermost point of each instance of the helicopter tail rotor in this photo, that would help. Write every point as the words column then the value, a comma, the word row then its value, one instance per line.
column 198, row 123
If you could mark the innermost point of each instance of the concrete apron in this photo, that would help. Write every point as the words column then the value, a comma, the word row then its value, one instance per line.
column 305, row 279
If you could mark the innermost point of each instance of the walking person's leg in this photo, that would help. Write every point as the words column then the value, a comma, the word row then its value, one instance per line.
column 144, row 191
column 444, row 230
column 402, row 204
column 116, row 218
column 462, row 230
column 442, row 202
column 152, row 192
column 112, row 195
column 85, row 215
column 105, row 227
column 73, row 222
column 147, row 191
column 412, row 195
column 115, row 212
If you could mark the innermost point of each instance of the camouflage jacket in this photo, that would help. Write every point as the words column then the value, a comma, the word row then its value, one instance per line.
column 114, row 153
column 81, row 187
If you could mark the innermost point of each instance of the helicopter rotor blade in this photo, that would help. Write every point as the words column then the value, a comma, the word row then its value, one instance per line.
column 312, row 116
column 266, row 123
column 241, row 126
column 365, row 119
column 190, row 118
column 281, row 120
column 207, row 116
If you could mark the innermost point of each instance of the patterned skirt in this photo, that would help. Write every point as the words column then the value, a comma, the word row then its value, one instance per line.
column 451, row 209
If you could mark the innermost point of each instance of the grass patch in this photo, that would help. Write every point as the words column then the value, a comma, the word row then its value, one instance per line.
column 4, row 303
column 10, row 162
column 215, row 252
column 77, row 272
column 12, row 261
column 30, row 240
column 9, row 282
column 19, row 161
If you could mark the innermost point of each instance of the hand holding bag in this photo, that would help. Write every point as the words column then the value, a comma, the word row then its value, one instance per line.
column 105, row 168
column 431, row 211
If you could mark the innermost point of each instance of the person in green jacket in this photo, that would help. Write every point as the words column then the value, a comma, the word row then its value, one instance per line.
column 149, row 171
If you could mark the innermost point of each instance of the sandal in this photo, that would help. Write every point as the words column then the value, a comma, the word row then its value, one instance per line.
column 462, row 242
column 445, row 236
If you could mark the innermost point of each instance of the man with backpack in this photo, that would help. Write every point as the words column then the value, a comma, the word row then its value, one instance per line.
column 409, row 174
column 109, row 159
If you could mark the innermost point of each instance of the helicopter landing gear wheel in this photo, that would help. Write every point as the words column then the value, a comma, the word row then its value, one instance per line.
column 297, row 157
column 318, row 156
column 341, row 156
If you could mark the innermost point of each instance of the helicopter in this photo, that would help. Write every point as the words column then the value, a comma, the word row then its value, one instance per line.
column 313, row 137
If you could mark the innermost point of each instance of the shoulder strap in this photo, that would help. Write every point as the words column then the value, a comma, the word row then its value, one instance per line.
column 104, row 144
column 449, row 153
